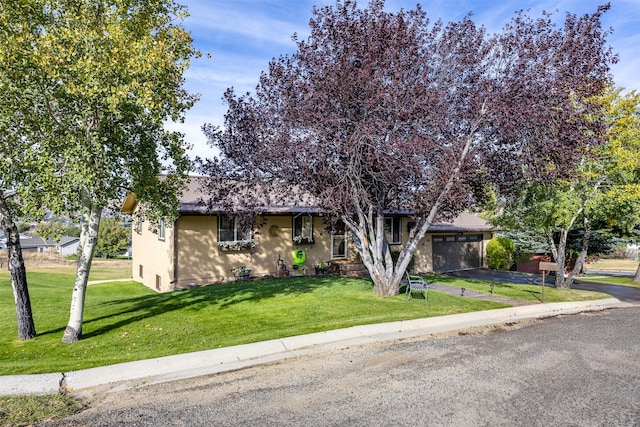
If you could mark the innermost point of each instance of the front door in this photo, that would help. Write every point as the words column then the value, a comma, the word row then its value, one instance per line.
column 338, row 242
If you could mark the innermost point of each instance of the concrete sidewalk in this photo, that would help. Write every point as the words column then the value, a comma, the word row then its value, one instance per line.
column 164, row 369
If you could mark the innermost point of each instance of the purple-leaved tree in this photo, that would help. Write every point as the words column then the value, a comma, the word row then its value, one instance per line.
column 380, row 112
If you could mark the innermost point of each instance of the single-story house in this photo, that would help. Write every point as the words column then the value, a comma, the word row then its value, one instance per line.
column 30, row 243
column 203, row 246
column 65, row 246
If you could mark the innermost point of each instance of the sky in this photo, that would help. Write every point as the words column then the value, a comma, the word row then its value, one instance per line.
column 238, row 38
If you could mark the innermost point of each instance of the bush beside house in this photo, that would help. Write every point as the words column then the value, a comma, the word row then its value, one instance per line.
column 500, row 252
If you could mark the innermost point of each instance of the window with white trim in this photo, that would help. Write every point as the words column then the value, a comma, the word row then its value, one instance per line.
column 231, row 236
column 303, row 229
column 161, row 230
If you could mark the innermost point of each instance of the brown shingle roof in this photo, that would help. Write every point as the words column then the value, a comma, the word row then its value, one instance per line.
column 291, row 201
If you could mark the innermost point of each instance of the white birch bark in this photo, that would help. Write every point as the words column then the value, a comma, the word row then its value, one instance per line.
column 86, row 248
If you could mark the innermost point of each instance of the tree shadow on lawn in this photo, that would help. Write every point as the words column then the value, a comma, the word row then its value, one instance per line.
column 194, row 299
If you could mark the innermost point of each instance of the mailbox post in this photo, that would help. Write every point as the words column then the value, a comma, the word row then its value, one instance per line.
column 544, row 267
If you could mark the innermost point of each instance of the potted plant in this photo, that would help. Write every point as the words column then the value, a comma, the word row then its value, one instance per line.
column 242, row 272
column 321, row 267
column 303, row 240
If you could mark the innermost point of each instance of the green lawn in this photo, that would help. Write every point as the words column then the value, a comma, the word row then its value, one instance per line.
column 517, row 291
column 125, row 321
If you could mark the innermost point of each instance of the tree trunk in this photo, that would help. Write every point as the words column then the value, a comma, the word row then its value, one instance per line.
column 368, row 235
column 577, row 268
column 559, row 253
column 370, row 239
column 86, row 249
column 18, row 274
column 636, row 278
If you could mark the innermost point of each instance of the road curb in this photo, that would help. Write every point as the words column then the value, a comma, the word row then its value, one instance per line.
column 13, row 385
column 170, row 368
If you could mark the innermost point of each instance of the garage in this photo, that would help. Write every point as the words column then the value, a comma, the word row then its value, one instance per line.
column 457, row 252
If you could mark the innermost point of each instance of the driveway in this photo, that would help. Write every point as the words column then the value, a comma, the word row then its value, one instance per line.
column 623, row 293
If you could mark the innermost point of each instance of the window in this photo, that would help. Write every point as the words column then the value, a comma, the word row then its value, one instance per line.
column 303, row 229
column 230, row 237
column 161, row 230
column 392, row 230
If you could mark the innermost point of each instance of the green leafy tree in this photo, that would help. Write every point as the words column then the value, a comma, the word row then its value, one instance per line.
column 606, row 188
column 500, row 252
column 113, row 238
column 103, row 78
column 25, row 139
column 56, row 228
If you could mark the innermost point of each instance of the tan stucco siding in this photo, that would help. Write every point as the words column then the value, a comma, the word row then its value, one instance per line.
column 422, row 256
column 275, row 239
column 201, row 261
column 153, row 258
column 190, row 256
column 197, row 251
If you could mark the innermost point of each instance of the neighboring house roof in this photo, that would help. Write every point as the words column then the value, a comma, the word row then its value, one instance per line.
column 28, row 242
column 291, row 201
column 64, row 241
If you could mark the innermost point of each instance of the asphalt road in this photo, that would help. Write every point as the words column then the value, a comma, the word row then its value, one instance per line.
column 580, row 370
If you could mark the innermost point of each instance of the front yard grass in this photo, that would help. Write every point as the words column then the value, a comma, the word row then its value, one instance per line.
column 125, row 321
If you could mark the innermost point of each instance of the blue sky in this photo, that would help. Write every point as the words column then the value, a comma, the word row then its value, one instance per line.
column 243, row 35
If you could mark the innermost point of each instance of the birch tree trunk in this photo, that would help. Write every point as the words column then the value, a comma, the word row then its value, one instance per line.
column 577, row 268
column 559, row 251
column 371, row 241
column 86, row 248
column 636, row 278
column 18, row 274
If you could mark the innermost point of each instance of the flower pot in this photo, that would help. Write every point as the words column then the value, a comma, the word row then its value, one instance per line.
column 322, row 270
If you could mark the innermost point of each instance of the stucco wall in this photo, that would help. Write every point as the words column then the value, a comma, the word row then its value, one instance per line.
column 201, row 261
column 153, row 258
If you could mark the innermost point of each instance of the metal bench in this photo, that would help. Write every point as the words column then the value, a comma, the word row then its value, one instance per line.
column 417, row 284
